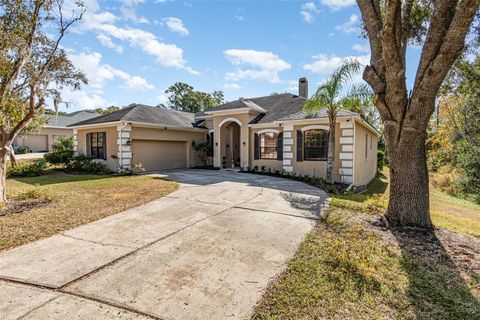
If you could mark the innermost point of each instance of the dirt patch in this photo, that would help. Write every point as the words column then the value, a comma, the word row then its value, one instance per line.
column 462, row 251
column 20, row 206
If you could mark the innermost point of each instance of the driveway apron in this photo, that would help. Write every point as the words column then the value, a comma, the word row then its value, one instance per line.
column 206, row 251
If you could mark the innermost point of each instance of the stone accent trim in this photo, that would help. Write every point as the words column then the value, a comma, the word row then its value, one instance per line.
column 347, row 151
column 287, row 148
column 124, row 148
column 75, row 141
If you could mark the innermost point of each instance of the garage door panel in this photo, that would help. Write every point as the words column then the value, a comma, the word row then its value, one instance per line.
column 159, row 155
column 35, row 143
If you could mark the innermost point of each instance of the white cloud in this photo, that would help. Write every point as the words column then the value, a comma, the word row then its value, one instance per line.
column 361, row 48
column 234, row 86
column 162, row 99
column 176, row 25
column 138, row 83
column 328, row 63
column 308, row 12
column 337, row 4
column 129, row 12
column 239, row 14
column 351, row 26
column 266, row 65
column 107, row 42
column 98, row 74
column 82, row 100
column 104, row 23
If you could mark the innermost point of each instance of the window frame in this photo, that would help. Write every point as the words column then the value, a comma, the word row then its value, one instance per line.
column 96, row 155
column 325, row 134
column 261, row 148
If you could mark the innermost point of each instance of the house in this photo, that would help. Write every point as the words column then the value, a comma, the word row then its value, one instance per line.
column 56, row 126
column 271, row 131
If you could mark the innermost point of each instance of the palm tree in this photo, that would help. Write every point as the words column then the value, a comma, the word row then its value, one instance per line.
column 329, row 96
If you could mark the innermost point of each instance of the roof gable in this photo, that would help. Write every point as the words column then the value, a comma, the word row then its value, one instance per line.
column 145, row 114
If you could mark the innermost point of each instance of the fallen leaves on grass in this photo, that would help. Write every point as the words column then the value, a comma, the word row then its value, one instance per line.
column 77, row 200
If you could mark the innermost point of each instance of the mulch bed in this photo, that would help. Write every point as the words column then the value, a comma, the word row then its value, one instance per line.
column 19, row 206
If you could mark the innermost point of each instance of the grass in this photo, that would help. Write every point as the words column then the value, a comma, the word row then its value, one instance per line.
column 74, row 200
column 349, row 269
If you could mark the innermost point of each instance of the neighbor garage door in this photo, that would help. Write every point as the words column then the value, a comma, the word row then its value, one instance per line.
column 36, row 143
column 159, row 155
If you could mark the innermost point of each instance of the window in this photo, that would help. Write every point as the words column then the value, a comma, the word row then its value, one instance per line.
column 268, row 145
column 315, row 144
column 210, row 139
column 366, row 145
column 96, row 145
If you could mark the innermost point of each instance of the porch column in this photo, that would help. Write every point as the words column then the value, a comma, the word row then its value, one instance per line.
column 244, row 145
column 217, row 161
column 124, row 142
column 346, row 151
column 288, row 147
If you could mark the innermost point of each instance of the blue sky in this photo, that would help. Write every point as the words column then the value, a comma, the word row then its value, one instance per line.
column 132, row 50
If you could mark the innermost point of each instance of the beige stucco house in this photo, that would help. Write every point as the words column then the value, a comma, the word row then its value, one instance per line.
column 56, row 126
column 271, row 131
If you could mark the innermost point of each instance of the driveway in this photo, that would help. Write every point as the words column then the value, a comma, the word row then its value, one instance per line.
column 206, row 251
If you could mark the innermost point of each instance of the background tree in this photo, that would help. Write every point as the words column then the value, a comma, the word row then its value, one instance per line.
column 183, row 97
column 107, row 110
column 33, row 67
column 454, row 138
column 390, row 25
column 329, row 96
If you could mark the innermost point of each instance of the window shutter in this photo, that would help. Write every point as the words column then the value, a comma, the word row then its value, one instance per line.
column 280, row 146
column 104, row 145
column 89, row 145
column 256, row 153
column 299, row 145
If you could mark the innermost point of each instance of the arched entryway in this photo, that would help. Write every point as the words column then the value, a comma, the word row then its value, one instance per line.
column 230, row 144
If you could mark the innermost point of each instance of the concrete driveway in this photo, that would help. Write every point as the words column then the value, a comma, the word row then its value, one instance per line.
column 206, row 251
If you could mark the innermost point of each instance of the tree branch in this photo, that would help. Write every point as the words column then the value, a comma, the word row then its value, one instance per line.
column 450, row 49
column 442, row 17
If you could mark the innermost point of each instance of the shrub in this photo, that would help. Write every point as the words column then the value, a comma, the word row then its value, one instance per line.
column 22, row 150
column 62, row 152
column 204, row 149
column 26, row 169
column 34, row 193
column 380, row 160
column 84, row 164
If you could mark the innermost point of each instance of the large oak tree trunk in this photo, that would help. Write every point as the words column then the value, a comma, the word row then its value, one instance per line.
column 409, row 193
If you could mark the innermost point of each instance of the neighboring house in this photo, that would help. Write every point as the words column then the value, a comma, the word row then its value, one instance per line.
column 271, row 131
column 55, row 127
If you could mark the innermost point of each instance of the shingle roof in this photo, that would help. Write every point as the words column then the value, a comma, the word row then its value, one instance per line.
column 70, row 118
column 322, row 113
column 276, row 106
column 146, row 114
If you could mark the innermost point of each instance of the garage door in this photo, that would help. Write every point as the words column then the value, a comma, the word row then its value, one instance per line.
column 159, row 155
column 36, row 143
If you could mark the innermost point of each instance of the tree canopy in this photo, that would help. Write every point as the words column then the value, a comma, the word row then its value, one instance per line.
column 183, row 97
column 34, row 68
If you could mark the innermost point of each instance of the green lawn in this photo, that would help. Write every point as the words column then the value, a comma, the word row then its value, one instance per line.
column 349, row 269
column 73, row 200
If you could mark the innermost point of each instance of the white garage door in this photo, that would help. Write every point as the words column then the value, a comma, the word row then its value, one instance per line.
column 36, row 143
column 159, row 155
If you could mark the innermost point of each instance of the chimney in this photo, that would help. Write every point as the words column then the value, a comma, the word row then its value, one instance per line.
column 303, row 87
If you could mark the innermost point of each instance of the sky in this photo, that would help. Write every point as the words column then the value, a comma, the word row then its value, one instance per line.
column 133, row 50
